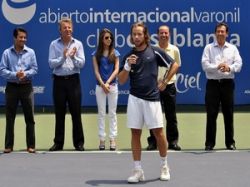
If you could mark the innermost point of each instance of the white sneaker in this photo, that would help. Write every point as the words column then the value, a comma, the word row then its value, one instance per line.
column 165, row 174
column 137, row 176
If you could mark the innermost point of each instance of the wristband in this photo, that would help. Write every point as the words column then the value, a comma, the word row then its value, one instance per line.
column 127, row 67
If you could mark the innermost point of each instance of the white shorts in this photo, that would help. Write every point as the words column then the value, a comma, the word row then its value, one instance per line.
column 141, row 112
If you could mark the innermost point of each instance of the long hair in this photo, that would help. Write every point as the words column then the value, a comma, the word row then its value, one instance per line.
column 100, row 47
column 145, row 32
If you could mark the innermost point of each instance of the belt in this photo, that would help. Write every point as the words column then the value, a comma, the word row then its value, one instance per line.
column 66, row 77
column 221, row 80
column 20, row 83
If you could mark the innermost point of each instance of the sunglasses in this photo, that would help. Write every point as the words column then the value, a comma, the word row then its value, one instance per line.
column 108, row 37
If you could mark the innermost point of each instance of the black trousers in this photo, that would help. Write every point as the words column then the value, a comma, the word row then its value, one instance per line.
column 219, row 93
column 168, row 100
column 67, row 92
column 13, row 94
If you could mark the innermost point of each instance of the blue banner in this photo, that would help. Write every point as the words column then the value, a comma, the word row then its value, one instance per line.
column 192, row 26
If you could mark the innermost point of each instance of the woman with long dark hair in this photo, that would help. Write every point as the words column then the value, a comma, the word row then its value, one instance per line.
column 106, row 68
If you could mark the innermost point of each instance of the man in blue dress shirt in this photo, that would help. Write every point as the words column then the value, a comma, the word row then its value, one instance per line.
column 66, row 58
column 220, row 61
column 18, row 65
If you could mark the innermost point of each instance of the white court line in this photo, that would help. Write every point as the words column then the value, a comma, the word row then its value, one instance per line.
column 121, row 152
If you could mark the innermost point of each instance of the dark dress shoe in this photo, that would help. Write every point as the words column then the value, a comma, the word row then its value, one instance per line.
column 56, row 147
column 231, row 147
column 8, row 150
column 151, row 147
column 175, row 147
column 209, row 148
column 151, row 143
column 31, row 150
column 79, row 148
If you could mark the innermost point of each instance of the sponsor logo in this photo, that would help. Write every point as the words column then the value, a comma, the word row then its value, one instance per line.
column 18, row 11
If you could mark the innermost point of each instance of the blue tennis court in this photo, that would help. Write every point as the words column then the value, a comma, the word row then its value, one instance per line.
column 94, row 168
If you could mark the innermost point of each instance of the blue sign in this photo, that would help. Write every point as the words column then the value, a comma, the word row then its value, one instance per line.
column 192, row 26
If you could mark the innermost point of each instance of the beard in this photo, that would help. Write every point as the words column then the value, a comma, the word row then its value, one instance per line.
column 139, row 44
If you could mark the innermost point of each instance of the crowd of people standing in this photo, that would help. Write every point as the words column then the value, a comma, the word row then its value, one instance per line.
column 151, row 72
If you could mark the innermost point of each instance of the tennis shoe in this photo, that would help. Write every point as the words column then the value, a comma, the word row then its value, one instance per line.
column 165, row 174
column 137, row 176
